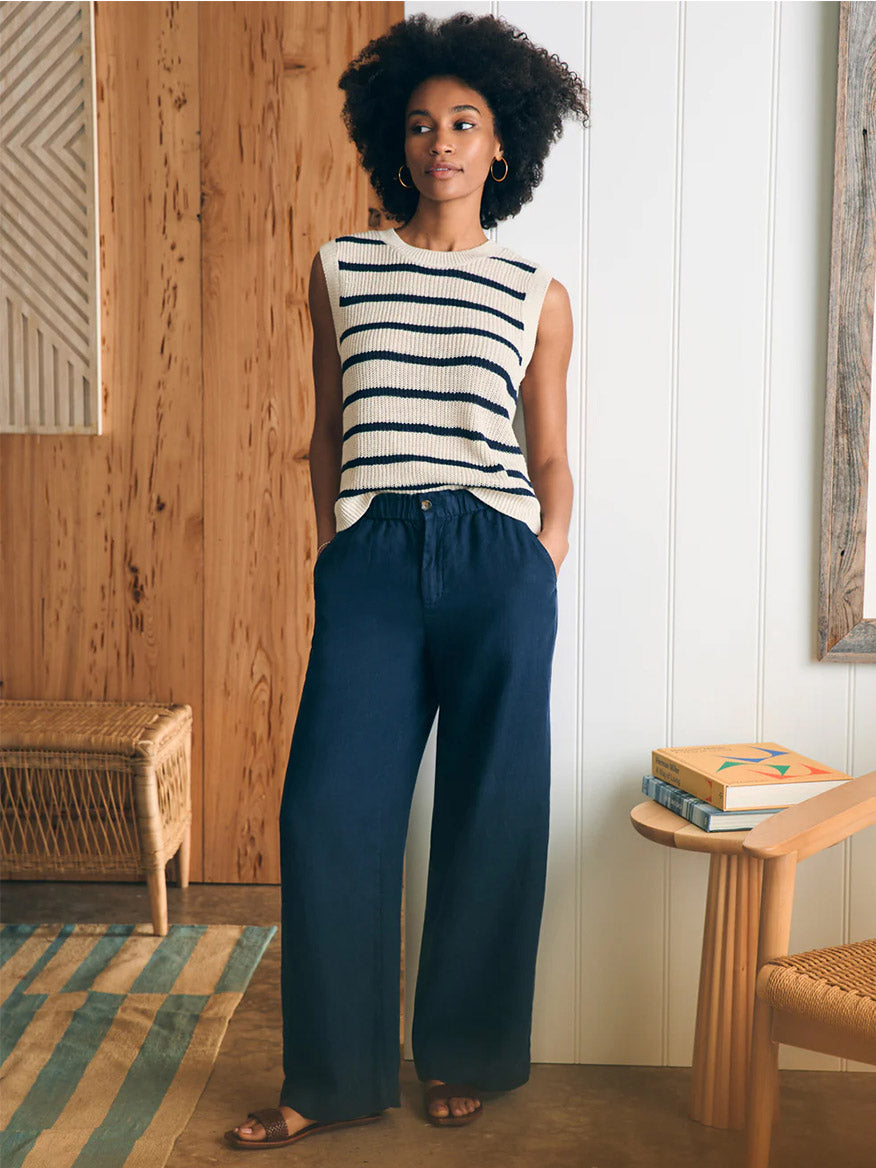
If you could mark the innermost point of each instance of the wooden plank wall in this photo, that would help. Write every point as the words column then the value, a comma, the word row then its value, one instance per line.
column 170, row 557
column 102, row 534
column 279, row 177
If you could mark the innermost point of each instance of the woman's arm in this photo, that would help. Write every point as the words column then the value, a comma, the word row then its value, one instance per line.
column 543, row 394
column 326, row 441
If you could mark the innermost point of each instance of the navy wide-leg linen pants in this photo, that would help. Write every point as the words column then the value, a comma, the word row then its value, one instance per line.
column 434, row 601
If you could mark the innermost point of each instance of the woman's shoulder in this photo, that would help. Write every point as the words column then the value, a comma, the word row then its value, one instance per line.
column 371, row 236
column 340, row 249
column 538, row 272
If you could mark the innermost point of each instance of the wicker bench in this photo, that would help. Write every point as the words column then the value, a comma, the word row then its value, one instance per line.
column 96, row 790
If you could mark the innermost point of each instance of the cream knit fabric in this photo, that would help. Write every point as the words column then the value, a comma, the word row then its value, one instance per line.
column 433, row 348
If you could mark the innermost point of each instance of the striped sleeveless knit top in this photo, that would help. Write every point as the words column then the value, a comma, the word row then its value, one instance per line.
column 433, row 348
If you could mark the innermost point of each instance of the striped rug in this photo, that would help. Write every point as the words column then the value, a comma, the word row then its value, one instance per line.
column 108, row 1035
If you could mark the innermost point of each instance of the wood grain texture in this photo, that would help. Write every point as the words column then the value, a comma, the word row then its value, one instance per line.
column 845, row 632
column 105, row 531
column 726, row 997
column 170, row 557
column 279, row 177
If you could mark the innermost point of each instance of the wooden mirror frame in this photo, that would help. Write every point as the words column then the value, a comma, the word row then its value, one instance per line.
column 844, row 633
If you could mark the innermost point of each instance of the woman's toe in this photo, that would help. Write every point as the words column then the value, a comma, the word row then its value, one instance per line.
column 251, row 1131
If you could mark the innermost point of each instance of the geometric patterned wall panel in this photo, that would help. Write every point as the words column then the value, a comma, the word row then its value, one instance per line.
column 49, row 272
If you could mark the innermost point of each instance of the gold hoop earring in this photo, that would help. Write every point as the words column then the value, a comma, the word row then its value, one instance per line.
column 505, row 175
column 407, row 186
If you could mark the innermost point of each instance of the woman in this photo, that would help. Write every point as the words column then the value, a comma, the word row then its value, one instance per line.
column 437, row 592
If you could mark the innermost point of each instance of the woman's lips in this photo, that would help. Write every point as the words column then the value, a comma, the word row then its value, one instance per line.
column 443, row 172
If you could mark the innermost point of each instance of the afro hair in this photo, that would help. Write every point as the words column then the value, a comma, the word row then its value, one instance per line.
column 528, row 90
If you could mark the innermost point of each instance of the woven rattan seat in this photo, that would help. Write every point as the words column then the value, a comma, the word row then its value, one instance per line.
column 96, row 791
column 835, row 986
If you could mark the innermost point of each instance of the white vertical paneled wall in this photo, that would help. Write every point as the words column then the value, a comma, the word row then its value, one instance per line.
column 691, row 226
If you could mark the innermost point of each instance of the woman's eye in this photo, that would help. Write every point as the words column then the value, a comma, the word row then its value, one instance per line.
column 461, row 122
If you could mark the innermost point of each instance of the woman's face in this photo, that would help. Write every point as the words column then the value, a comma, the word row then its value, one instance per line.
column 449, row 125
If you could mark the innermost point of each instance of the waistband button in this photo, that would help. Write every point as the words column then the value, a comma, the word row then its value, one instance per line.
column 425, row 504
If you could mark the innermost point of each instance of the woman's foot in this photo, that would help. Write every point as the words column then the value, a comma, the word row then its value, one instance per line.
column 458, row 1105
column 251, row 1130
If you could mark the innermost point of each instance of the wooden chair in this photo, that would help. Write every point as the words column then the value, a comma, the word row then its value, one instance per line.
column 823, row 1000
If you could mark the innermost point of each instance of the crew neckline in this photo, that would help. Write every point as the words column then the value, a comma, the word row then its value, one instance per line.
column 392, row 237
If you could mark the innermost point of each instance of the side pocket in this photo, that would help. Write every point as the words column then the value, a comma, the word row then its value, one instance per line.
column 323, row 550
column 322, row 554
column 331, row 543
column 543, row 550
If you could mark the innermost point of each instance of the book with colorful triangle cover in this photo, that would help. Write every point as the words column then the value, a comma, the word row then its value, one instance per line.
column 744, row 776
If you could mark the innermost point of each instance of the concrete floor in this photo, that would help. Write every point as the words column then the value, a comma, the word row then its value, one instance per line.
column 564, row 1117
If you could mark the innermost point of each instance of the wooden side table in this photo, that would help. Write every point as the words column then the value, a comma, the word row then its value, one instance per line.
column 725, row 1003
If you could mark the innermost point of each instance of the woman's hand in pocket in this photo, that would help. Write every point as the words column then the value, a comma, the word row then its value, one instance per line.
column 556, row 546
column 320, row 548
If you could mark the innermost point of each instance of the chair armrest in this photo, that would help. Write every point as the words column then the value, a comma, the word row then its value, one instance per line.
column 817, row 823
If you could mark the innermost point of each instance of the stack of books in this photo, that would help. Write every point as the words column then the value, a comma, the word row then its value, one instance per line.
column 734, row 787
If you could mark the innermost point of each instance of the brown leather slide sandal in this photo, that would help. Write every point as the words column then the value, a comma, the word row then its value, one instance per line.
column 445, row 1092
column 277, row 1133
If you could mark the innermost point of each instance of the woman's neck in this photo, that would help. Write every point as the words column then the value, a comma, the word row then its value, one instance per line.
column 441, row 237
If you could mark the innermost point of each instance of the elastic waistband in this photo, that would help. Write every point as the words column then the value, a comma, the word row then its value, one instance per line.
column 396, row 505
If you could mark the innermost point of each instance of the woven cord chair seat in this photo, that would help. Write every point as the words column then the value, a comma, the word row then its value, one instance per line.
column 835, row 986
